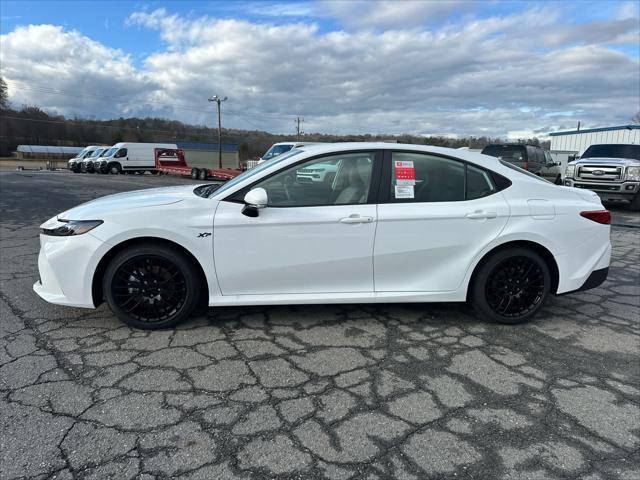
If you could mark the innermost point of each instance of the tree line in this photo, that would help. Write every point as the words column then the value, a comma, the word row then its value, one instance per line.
column 31, row 125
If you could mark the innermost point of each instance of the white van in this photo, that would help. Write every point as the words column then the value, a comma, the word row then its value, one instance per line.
column 87, row 163
column 74, row 163
column 130, row 157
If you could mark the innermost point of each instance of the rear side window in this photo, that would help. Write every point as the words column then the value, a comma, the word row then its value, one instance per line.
column 479, row 183
column 418, row 177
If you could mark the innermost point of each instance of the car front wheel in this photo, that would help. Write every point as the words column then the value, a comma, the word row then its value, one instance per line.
column 511, row 286
column 151, row 286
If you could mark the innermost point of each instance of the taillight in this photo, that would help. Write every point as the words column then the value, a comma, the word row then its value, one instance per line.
column 598, row 216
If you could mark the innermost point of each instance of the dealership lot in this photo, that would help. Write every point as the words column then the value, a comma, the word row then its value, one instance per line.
column 388, row 391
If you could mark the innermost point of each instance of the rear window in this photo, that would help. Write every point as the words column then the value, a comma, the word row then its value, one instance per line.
column 612, row 151
column 523, row 171
column 511, row 153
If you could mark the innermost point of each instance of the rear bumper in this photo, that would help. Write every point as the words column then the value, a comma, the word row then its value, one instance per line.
column 594, row 280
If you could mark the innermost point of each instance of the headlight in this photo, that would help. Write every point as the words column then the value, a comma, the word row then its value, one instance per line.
column 570, row 171
column 633, row 173
column 68, row 228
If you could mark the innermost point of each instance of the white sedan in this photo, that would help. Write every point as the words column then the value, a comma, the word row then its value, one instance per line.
column 396, row 223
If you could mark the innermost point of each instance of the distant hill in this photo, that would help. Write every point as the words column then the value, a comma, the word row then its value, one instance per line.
column 34, row 126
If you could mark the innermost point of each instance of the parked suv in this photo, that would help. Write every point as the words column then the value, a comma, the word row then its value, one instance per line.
column 610, row 170
column 528, row 157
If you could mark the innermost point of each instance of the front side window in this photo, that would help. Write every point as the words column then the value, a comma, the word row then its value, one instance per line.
column 417, row 177
column 121, row 153
column 341, row 179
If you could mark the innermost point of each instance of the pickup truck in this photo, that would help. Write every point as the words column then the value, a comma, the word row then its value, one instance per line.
column 610, row 170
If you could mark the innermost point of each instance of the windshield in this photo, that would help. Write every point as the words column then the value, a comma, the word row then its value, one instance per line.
column 82, row 153
column 612, row 151
column 109, row 152
column 512, row 153
column 255, row 170
column 276, row 150
column 96, row 153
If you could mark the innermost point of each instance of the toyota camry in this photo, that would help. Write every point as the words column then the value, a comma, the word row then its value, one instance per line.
column 386, row 223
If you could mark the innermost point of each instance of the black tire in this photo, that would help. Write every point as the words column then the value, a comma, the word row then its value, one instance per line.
column 513, row 274
column 202, row 174
column 114, row 168
column 194, row 173
column 635, row 203
column 559, row 180
column 151, row 286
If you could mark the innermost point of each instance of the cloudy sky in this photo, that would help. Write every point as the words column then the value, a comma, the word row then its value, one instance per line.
column 457, row 68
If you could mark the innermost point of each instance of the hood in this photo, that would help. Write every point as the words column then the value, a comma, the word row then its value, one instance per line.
column 607, row 161
column 125, row 202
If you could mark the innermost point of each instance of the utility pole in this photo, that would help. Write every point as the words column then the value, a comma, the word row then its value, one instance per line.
column 298, row 131
column 219, row 100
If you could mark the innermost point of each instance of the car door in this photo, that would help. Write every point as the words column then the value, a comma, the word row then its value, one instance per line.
column 315, row 236
column 438, row 215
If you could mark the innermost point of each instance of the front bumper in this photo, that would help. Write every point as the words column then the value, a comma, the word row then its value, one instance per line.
column 66, row 266
column 624, row 191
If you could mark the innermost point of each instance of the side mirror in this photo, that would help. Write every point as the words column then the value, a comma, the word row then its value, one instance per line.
column 255, row 200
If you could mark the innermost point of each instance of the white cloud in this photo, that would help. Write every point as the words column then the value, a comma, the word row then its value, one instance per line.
column 518, row 73
column 389, row 14
column 69, row 73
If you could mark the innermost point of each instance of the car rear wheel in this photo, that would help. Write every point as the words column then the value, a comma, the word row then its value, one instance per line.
column 511, row 286
column 151, row 286
column 202, row 174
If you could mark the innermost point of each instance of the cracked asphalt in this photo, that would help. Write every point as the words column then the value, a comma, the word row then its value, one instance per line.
column 373, row 392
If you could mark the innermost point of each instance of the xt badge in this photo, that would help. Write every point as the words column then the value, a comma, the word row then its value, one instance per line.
column 204, row 234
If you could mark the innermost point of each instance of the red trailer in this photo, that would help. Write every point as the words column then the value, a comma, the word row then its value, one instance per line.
column 171, row 161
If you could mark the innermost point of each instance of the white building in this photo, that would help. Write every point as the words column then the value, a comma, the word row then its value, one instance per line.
column 575, row 142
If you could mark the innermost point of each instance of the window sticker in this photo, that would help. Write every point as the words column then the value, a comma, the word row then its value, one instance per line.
column 403, row 191
column 405, row 173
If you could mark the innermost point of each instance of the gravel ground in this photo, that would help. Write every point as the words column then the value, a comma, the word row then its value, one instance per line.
column 388, row 391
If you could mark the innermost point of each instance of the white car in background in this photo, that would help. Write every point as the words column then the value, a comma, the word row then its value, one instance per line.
column 280, row 148
column 397, row 223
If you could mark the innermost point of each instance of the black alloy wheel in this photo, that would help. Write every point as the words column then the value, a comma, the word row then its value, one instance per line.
column 511, row 286
column 515, row 287
column 151, row 287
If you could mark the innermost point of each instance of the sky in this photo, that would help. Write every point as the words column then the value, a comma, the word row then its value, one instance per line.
column 509, row 69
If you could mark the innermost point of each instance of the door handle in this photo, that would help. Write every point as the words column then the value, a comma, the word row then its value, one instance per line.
column 355, row 218
column 481, row 215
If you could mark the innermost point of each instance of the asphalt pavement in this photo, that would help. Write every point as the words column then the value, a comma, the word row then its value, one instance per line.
column 401, row 391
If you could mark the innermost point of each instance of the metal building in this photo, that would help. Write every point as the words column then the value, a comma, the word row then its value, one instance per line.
column 46, row 152
column 575, row 142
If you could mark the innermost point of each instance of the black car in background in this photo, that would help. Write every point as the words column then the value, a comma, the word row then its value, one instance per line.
column 528, row 157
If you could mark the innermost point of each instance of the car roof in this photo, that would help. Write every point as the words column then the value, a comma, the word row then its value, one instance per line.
column 467, row 155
